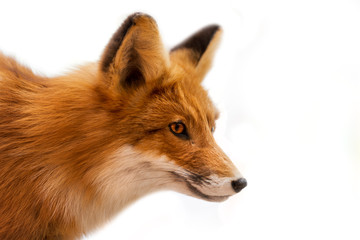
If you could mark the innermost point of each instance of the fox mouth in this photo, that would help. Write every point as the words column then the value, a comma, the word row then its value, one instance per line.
column 197, row 192
column 202, row 195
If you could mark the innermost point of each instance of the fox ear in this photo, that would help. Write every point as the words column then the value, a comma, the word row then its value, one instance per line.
column 195, row 54
column 135, row 54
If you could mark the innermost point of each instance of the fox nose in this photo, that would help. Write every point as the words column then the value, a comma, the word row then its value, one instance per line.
column 239, row 184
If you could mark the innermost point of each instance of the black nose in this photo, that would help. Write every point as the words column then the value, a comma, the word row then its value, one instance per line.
column 239, row 184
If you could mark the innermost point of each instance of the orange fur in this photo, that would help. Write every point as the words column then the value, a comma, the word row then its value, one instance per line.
column 76, row 149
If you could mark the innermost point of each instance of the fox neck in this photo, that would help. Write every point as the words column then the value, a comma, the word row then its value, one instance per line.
column 127, row 175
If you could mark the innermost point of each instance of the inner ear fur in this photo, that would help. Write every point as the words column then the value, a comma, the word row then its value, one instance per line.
column 195, row 54
column 135, row 54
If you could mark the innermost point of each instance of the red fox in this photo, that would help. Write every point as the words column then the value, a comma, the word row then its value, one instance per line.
column 76, row 149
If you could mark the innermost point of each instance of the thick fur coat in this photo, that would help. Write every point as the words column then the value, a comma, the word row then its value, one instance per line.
column 76, row 149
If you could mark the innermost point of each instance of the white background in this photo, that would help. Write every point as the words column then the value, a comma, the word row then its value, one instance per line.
column 287, row 81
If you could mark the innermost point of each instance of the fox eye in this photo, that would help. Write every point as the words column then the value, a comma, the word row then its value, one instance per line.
column 212, row 129
column 179, row 130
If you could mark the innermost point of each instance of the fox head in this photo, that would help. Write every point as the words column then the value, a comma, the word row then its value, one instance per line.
column 163, row 112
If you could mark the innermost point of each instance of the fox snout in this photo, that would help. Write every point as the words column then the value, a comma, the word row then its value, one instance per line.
column 202, row 169
column 217, row 191
column 212, row 188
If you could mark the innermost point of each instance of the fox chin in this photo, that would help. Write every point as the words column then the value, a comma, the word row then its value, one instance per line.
column 77, row 148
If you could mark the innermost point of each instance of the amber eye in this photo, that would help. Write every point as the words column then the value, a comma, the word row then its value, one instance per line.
column 177, row 127
column 179, row 130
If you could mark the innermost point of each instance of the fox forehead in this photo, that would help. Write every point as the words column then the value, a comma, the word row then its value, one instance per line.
column 182, row 99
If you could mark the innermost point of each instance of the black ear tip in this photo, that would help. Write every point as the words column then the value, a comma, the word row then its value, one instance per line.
column 200, row 40
column 213, row 28
column 118, row 38
column 209, row 31
column 137, row 15
column 116, row 41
